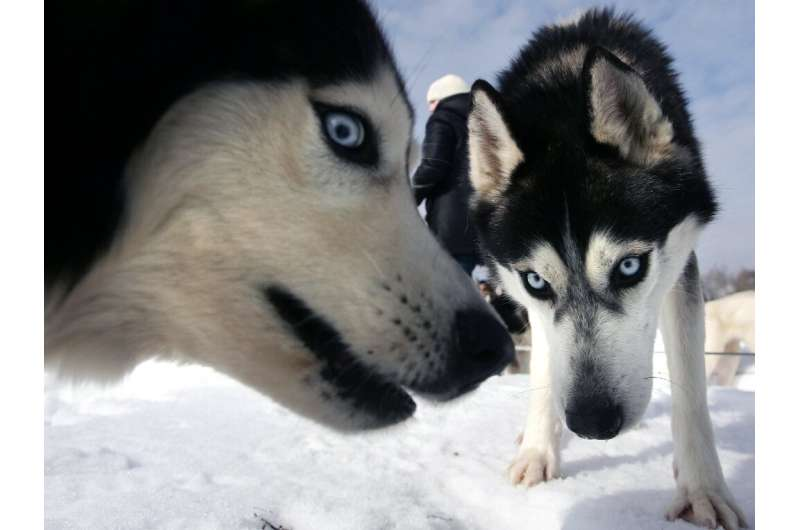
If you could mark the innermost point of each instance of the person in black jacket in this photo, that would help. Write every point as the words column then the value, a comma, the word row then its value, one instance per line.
column 442, row 178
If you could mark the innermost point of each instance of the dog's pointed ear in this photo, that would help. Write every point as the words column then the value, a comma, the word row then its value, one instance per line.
column 623, row 112
column 493, row 153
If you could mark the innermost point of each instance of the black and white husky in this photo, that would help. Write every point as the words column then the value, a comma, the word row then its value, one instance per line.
column 227, row 185
column 590, row 197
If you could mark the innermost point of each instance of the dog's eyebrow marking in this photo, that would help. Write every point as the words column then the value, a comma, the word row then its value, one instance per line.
column 545, row 260
column 602, row 254
column 354, row 382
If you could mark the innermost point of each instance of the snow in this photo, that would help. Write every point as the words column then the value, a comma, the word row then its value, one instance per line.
column 186, row 448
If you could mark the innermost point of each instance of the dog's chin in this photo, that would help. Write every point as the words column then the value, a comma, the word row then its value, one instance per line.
column 373, row 403
column 380, row 401
column 445, row 390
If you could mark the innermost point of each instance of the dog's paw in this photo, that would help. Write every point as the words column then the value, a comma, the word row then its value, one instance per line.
column 532, row 466
column 708, row 508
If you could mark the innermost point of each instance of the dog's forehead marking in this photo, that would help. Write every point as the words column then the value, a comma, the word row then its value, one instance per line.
column 382, row 100
column 604, row 251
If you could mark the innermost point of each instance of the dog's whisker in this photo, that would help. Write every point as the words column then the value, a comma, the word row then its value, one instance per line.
column 532, row 389
column 432, row 159
column 374, row 264
column 670, row 381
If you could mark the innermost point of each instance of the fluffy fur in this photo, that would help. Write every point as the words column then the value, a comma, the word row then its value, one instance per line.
column 584, row 159
column 199, row 208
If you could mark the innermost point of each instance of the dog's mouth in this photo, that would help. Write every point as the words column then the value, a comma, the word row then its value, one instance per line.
column 379, row 401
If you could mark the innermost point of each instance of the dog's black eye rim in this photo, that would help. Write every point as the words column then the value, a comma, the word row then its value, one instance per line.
column 622, row 280
column 363, row 153
column 543, row 293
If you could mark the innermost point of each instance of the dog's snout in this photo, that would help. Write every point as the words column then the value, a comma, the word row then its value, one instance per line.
column 594, row 417
column 483, row 347
column 479, row 347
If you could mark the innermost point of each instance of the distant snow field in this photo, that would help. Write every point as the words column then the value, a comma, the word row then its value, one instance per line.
column 186, row 448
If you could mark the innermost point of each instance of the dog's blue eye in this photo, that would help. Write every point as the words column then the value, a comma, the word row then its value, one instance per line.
column 630, row 266
column 535, row 281
column 348, row 134
column 536, row 286
column 344, row 129
column 629, row 271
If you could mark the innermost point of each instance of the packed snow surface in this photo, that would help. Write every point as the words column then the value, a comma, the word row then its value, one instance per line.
column 187, row 448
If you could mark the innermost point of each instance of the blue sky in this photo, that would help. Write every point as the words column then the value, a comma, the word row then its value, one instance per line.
column 713, row 46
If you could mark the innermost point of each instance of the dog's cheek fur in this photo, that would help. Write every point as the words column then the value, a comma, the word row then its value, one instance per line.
column 382, row 280
column 213, row 201
column 233, row 186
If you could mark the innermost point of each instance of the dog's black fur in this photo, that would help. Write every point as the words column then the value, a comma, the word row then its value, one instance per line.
column 115, row 67
column 567, row 177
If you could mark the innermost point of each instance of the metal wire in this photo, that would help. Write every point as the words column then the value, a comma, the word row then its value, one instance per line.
column 726, row 353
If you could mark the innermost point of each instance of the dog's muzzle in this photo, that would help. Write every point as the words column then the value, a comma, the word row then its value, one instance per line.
column 480, row 348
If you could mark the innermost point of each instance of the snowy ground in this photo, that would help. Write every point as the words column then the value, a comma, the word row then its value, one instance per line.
column 186, row 448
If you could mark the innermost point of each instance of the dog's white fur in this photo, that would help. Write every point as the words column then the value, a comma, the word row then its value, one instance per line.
column 236, row 189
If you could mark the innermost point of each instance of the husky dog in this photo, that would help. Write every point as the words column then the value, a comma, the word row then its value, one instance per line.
column 227, row 185
column 590, row 194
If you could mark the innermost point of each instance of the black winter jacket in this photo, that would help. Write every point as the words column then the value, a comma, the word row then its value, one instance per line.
column 443, row 175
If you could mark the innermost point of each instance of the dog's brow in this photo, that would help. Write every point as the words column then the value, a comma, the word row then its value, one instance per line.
column 604, row 251
column 544, row 259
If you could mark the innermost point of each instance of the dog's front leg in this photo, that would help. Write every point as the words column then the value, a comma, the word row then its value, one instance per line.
column 538, row 457
column 703, row 497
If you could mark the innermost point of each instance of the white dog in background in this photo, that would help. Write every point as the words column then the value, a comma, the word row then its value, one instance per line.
column 730, row 328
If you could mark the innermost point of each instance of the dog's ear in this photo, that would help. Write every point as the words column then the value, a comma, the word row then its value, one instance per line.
column 493, row 153
column 623, row 112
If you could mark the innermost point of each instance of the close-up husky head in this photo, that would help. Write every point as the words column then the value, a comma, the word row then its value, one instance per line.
column 590, row 196
column 227, row 184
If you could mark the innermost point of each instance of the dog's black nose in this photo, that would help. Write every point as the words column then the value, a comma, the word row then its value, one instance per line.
column 594, row 418
column 483, row 347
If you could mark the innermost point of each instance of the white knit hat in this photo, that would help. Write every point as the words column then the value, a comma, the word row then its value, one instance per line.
column 446, row 86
